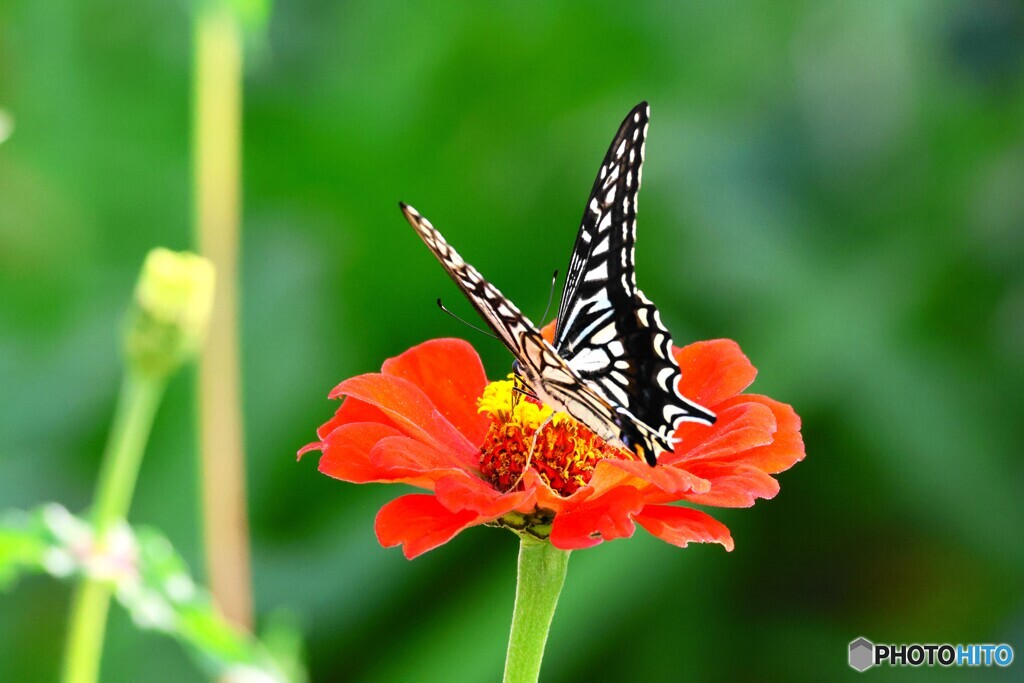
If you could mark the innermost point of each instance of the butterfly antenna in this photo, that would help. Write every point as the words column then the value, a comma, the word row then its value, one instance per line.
column 467, row 324
column 551, row 297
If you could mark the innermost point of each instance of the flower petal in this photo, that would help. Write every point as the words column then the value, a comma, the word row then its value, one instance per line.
column 548, row 331
column 404, row 457
column 787, row 446
column 464, row 492
column 410, row 410
column 713, row 371
column 681, row 525
column 420, row 523
column 352, row 410
column 597, row 519
column 665, row 477
column 740, row 427
column 547, row 498
column 450, row 373
column 346, row 452
column 732, row 486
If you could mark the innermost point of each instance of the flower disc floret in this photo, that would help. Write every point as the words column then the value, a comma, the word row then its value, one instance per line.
column 523, row 433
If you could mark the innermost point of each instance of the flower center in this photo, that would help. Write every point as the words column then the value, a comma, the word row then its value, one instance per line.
column 524, row 433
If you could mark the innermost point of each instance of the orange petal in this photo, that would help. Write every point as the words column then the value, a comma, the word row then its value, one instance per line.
column 666, row 478
column 739, row 428
column 548, row 331
column 547, row 498
column 464, row 492
column 346, row 452
column 787, row 446
column 352, row 410
column 410, row 410
column 597, row 519
column 713, row 371
column 733, row 486
column 680, row 525
column 420, row 523
column 404, row 457
column 450, row 373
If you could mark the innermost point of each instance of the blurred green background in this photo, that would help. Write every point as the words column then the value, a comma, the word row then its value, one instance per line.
column 837, row 186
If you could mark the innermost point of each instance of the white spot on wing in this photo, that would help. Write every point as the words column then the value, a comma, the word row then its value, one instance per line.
column 598, row 272
column 604, row 335
column 590, row 360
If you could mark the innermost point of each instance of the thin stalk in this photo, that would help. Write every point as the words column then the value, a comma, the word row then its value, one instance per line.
column 542, row 569
column 136, row 406
column 217, row 123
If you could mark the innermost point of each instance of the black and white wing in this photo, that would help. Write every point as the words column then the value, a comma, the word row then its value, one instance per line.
column 607, row 330
column 547, row 374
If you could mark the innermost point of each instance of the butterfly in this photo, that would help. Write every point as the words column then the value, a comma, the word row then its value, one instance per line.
column 611, row 365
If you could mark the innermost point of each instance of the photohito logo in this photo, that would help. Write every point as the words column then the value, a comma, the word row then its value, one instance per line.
column 864, row 654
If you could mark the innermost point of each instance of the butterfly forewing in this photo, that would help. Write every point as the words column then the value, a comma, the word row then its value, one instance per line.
column 604, row 245
column 607, row 330
column 501, row 315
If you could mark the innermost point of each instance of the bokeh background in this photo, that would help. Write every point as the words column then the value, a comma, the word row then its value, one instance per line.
column 837, row 186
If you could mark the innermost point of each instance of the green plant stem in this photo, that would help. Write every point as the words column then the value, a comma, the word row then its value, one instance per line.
column 216, row 158
column 541, row 574
column 140, row 395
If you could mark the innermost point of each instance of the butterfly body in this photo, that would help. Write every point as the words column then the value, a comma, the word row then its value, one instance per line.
column 611, row 365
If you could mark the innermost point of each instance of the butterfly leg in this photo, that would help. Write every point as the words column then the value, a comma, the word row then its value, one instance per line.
column 526, row 393
column 533, row 447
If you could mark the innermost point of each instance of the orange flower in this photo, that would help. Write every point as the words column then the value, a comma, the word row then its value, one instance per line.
column 431, row 419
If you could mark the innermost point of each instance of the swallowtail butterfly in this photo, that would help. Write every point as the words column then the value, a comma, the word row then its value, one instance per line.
column 611, row 365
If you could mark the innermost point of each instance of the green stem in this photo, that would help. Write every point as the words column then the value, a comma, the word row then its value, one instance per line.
column 217, row 186
column 136, row 406
column 542, row 570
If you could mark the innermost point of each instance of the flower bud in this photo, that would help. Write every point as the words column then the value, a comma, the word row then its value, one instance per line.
column 170, row 313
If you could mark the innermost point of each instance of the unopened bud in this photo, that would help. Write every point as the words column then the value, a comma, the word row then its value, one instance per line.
column 171, row 311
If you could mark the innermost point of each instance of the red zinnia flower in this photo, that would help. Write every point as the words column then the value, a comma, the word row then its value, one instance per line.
column 431, row 419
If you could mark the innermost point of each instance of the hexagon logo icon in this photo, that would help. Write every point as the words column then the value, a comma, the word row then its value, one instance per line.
column 862, row 654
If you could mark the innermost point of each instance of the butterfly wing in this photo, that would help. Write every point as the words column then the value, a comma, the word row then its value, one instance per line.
column 500, row 314
column 607, row 330
column 547, row 374
column 605, row 240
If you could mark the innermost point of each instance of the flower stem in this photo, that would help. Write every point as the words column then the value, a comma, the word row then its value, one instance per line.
column 542, row 569
column 136, row 406
column 216, row 158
